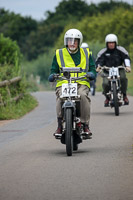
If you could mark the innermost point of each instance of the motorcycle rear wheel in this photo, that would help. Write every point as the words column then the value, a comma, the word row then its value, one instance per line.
column 69, row 132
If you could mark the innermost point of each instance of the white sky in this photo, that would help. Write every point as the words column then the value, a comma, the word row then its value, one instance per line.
column 37, row 8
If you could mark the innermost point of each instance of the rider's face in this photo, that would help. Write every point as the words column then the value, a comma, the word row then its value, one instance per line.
column 111, row 45
column 72, row 43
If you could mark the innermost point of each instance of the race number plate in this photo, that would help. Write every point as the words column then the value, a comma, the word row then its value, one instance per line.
column 69, row 89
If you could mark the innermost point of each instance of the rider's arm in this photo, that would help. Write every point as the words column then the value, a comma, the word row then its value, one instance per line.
column 54, row 70
column 92, row 67
column 55, row 66
column 127, row 65
column 100, row 60
column 127, row 61
column 125, row 58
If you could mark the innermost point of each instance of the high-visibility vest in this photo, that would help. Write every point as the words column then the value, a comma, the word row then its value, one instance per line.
column 64, row 59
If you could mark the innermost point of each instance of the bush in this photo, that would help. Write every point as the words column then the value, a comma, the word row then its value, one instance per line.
column 10, row 58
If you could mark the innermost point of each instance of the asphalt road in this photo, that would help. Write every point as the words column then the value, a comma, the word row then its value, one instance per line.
column 34, row 166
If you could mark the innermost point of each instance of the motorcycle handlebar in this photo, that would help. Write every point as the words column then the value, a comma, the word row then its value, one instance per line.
column 107, row 68
column 59, row 77
column 102, row 72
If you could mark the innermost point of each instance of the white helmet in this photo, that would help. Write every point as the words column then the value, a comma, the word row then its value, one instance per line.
column 73, row 34
column 111, row 38
column 84, row 45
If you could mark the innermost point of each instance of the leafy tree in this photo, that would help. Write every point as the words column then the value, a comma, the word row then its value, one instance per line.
column 16, row 27
column 40, row 41
column 10, row 58
column 9, row 52
column 112, row 5
column 67, row 11
column 34, row 38
column 95, row 28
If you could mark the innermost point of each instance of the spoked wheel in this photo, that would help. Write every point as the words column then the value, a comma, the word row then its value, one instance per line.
column 115, row 99
column 69, row 133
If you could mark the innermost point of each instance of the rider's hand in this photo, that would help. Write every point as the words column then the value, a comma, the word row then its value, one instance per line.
column 51, row 78
column 90, row 75
column 98, row 68
column 128, row 69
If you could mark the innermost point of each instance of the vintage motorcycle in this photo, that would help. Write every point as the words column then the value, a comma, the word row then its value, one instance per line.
column 115, row 95
column 72, row 133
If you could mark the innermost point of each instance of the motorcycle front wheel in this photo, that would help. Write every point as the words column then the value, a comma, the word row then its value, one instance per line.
column 115, row 99
column 69, row 132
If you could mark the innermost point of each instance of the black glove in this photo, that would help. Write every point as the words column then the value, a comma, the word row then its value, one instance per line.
column 51, row 78
column 90, row 75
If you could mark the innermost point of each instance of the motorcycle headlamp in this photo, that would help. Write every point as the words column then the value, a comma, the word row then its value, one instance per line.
column 66, row 74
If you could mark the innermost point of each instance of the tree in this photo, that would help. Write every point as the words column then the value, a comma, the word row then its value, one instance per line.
column 9, row 52
column 36, row 38
column 16, row 27
column 66, row 11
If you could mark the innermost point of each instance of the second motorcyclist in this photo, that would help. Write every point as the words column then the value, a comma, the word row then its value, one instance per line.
column 113, row 56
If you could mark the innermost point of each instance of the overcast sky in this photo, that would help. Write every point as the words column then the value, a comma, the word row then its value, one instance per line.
column 37, row 8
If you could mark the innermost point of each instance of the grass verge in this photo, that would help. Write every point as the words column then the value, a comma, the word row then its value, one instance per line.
column 17, row 110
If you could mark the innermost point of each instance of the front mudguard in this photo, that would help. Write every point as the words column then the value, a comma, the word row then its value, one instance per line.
column 68, row 104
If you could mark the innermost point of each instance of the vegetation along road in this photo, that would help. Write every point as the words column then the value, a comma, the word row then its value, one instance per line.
column 34, row 166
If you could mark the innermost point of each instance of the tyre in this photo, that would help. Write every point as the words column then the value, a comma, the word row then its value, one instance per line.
column 69, row 132
column 115, row 100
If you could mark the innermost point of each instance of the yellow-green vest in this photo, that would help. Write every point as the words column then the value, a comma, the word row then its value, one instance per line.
column 64, row 59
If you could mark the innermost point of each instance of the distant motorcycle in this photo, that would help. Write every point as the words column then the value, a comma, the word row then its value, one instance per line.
column 73, row 133
column 115, row 95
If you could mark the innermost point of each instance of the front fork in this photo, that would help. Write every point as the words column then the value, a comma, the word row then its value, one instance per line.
column 118, row 90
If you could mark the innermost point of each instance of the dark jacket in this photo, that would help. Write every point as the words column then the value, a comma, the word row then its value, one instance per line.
column 112, row 57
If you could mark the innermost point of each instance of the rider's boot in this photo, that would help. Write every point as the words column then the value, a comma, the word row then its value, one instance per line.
column 106, row 102
column 87, row 132
column 58, row 132
column 125, row 99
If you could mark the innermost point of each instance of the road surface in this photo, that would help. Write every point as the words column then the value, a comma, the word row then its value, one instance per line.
column 34, row 166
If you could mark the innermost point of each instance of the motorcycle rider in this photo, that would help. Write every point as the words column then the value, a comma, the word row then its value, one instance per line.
column 74, row 56
column 114, row 55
